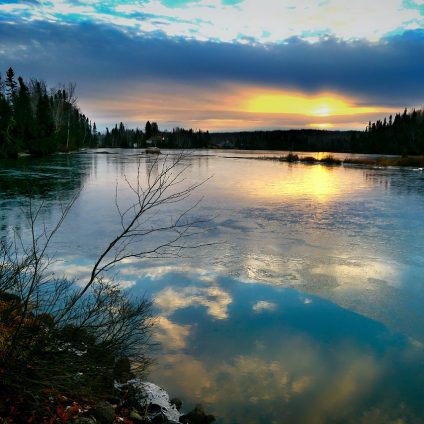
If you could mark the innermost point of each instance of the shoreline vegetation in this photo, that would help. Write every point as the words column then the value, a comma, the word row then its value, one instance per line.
column 380, row 161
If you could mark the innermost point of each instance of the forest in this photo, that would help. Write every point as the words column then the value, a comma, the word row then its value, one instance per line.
column 401, row 135
column 39, row 120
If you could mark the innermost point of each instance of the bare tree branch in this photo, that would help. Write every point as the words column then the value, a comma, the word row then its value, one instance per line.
column 165, row 188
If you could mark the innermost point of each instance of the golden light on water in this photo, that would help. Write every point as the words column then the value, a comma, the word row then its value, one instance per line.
column 321, row 105
column 317, row 182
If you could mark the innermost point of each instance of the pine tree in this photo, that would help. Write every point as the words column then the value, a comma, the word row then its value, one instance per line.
column 95, row 137
column 11, row 85
column 148, row 130
column 155, row 128
column 24, row 117
column 44, row 120
column 6, row 127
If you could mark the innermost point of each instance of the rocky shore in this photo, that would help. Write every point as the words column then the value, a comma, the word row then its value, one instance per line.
column 134, row 402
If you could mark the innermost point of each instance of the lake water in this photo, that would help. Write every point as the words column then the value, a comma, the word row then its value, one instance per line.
column 305, row 306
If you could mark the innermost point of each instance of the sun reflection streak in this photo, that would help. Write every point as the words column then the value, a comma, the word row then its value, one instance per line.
column 314, row 181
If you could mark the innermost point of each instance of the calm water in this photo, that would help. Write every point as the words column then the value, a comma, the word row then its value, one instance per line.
column 309, row 309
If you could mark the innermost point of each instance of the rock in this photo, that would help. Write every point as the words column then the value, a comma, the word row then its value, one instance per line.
column 104, row 413
column 197, row 416
column 148, row 395
column 135, row 416
column 177, row 403
column 160, row 419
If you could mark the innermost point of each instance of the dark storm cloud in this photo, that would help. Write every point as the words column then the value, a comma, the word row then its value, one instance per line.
column 100, row 58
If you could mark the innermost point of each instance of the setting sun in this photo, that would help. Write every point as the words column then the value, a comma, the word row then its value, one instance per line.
column 321, row 126
column 324, row 110
column 322, row 105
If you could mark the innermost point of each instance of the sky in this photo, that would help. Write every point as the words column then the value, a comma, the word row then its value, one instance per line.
column 223, row 65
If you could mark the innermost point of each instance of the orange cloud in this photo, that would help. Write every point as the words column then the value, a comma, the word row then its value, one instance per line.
column 234, row 107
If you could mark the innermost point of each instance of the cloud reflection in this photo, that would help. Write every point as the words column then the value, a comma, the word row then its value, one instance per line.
column 215, row 299
column 170, row 335
column 263, row 305
column 253, row 389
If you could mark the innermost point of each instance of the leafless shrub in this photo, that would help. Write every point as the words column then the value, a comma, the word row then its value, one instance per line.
column 62, row 335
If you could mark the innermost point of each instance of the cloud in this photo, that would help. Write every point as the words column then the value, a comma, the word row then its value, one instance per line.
column 125, row 76
column 215, row 299
column 97, row 55
column 263, row 305
column 242, row 21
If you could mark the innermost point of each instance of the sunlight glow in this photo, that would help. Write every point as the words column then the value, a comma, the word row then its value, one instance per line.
column 321, row 105
column 321, row 126
column 233, row 107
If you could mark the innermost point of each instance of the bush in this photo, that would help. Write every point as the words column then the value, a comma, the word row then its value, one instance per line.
column 308, row 159
column 291, row 157
column 330, row 160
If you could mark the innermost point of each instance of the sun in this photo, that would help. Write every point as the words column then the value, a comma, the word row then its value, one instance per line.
column 324, row 110
column 319, row 105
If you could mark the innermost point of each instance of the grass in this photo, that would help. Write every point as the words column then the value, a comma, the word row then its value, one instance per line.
column 414, row 161
column 382, row 161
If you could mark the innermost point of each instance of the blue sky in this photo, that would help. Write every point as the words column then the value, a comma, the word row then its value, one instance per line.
column 229, row 64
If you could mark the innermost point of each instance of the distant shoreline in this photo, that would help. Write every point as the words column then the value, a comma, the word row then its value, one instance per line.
column 380, row 161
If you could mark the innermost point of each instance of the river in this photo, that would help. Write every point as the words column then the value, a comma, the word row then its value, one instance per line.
column 304, row 303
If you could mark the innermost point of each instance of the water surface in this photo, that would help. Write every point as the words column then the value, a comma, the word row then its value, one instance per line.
column 307, row 305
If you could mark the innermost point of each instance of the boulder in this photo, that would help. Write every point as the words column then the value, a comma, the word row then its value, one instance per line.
column 152, row 399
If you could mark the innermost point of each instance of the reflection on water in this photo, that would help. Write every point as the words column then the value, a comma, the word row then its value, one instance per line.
column 45, row 177
column 52, row 180
column 314, row 182
column 279, row 355
column 309, row 311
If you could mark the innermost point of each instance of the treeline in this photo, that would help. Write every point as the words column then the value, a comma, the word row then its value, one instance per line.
column 401, row 135
column 123, row 137
column 38, row 120
column 301, row 140
column 188, row 139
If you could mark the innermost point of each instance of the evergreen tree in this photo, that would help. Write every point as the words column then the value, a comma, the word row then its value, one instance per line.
column 24, row 117
column 155, row 128
column 10, row 85
column 44, row 119
column 6, row 126
column 95, row 137
column 148, row 130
